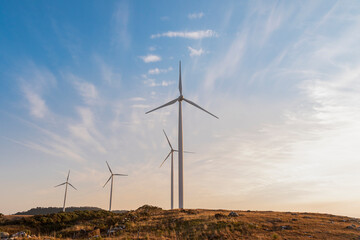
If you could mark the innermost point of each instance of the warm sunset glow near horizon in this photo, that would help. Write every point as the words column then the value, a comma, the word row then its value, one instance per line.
column 76, row 78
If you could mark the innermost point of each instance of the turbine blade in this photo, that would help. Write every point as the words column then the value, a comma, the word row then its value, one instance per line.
column 183, row 151
column 107, row 181
column 167, row 139
column 60, row 184
column 72, row 186
column 118, row 174
column 194, row 104
column 188, row 152
column 67, row 179
column 180, row 84
column 109, row 167
column 165, row 159
column 166, row 104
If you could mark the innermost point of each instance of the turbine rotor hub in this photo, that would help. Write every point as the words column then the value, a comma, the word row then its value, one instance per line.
column 181, row 98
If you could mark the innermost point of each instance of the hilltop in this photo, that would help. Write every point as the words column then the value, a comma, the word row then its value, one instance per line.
column 49, row 210
column 150, row 222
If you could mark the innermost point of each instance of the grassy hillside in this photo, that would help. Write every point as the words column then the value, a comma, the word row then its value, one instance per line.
column 49, row 210
column 150, row 222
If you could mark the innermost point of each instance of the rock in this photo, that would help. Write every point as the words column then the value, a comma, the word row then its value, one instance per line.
column 219, row 215
column 233, row 214
column 4, row 235
column 19, row 235
column 95, row 232
column 286, row 227
column 350, row 227
column 275, row 220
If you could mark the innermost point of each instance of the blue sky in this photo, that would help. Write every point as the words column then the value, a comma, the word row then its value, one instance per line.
column 283, row 76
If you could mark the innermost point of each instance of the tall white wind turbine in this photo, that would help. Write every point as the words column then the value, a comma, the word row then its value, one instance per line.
column 180, row 143
column 112, row 182
column 172, row 150
column 66, row 185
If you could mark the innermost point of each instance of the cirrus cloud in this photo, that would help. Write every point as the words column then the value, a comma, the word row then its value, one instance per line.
column 151, row 58
column 196, row 15
column 185, row 34
column 195, row 52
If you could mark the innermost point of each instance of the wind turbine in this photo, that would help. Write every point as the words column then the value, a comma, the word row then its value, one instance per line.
column 172, row 150
column 180, row 135
column 112, row 182
column 66, row 185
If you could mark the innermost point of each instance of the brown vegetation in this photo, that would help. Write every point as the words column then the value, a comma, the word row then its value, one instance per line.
column 150, row 222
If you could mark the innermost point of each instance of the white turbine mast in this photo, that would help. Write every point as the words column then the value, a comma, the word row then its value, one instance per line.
column 180, row 135
column 172, row 150
column 66, row 185
column 112, row 182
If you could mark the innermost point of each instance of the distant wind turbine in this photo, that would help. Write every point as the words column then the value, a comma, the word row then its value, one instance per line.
column 180, row 135
column 66, row 185
column 172, row 150
column 112, row 182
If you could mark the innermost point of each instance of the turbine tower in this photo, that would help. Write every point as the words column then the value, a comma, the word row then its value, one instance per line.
column 172, row 150
column 112, row 182
column 66, row 185
column 180, row 135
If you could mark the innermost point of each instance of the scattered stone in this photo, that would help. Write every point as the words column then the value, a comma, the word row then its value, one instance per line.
column 19, row 235
column 233, row 214
column 4, row 235
column 275, row 220
column 350, row 227
column 219, row 215
column 93, row 233
column 286, row 227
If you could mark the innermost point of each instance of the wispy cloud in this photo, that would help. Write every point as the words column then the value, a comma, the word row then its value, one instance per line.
column 230, row 61
column 137, row 99
column 185, row 34
column 152, row 83
column 86, row 90
column 49, row 142
column 107, row 72
column 158, row 71
column 196, row 15
column 86, row 130
column 151, row 58
column 195, row 52
column 120, row 25
column 34, row 82
column 37, row 105
column 140, row 106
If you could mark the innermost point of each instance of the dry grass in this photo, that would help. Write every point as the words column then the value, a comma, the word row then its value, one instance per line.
column 153, row 223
